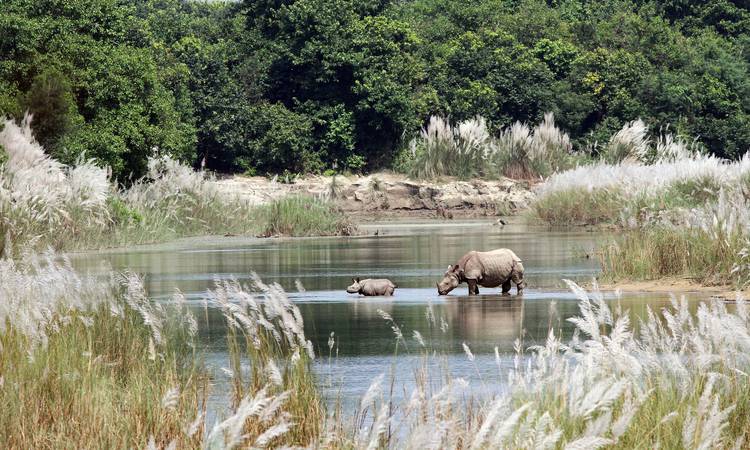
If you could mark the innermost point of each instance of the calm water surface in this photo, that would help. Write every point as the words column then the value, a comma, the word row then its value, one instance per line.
column 412, row 254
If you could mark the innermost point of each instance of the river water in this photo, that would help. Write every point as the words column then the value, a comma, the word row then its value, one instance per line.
column 412, row 254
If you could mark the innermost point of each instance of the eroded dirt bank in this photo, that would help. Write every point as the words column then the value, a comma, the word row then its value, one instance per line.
column 392, row 194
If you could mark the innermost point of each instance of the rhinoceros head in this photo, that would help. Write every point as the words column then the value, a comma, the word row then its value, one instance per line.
column 449, row 281
column 355, row 287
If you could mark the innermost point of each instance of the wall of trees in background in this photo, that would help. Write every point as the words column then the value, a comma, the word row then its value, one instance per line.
column 301, row 85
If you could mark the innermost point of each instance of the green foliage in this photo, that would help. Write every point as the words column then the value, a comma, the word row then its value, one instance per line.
column 302, row 85
column 50, row 101
column 91, row 73
column 265, row 136
column 121, row 214
column 355, row 163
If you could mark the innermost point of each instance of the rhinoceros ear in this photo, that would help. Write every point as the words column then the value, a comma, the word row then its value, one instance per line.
column 455, row 268
column 357, row 280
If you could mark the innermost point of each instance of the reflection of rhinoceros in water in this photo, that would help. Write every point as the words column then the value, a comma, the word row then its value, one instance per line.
column 494, row 321
column 487, row 269
column 371, row 286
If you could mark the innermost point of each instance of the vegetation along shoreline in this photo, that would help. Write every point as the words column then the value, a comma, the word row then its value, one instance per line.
column 125, row 123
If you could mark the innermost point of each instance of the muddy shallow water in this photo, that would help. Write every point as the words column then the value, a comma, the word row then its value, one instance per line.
column 412, row 254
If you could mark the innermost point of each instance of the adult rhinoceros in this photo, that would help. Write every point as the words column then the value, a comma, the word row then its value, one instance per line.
column 487, row 269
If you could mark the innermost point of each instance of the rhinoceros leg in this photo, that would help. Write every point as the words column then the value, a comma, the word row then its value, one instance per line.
column 473, row 289
column 506, row 287
column 518, row 279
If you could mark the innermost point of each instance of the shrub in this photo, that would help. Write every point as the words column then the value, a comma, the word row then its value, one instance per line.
column 355, row 163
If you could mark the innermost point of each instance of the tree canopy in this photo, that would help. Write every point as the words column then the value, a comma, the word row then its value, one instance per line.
column 307, row 85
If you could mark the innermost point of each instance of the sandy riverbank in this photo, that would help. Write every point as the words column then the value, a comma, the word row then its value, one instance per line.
column 674, row 285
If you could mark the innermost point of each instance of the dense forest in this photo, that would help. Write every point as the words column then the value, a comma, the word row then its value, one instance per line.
column 265, row 86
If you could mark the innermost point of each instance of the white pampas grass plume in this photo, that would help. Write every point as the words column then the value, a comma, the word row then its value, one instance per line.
column 272, row 433
column 171, row 399
column 467, row 350
column 331, row 341
column 273, row 373
column 373, row 392
column 418, row 337
column 194, row 426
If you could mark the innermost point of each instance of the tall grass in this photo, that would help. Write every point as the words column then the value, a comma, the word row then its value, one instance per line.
column 267, row 331
column 468, row 149
column 94, row 363
column 174, row 200
column 91, row 363
column 303, row 215
column 45, row 204
column 638, row 193
column 525, row 153
column 686, row 213
column 709, row 244
column 41, row 201
column 443, row 149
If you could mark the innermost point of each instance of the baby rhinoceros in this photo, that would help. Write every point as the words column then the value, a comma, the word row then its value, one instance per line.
column 372, row 286
column 491, row 269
